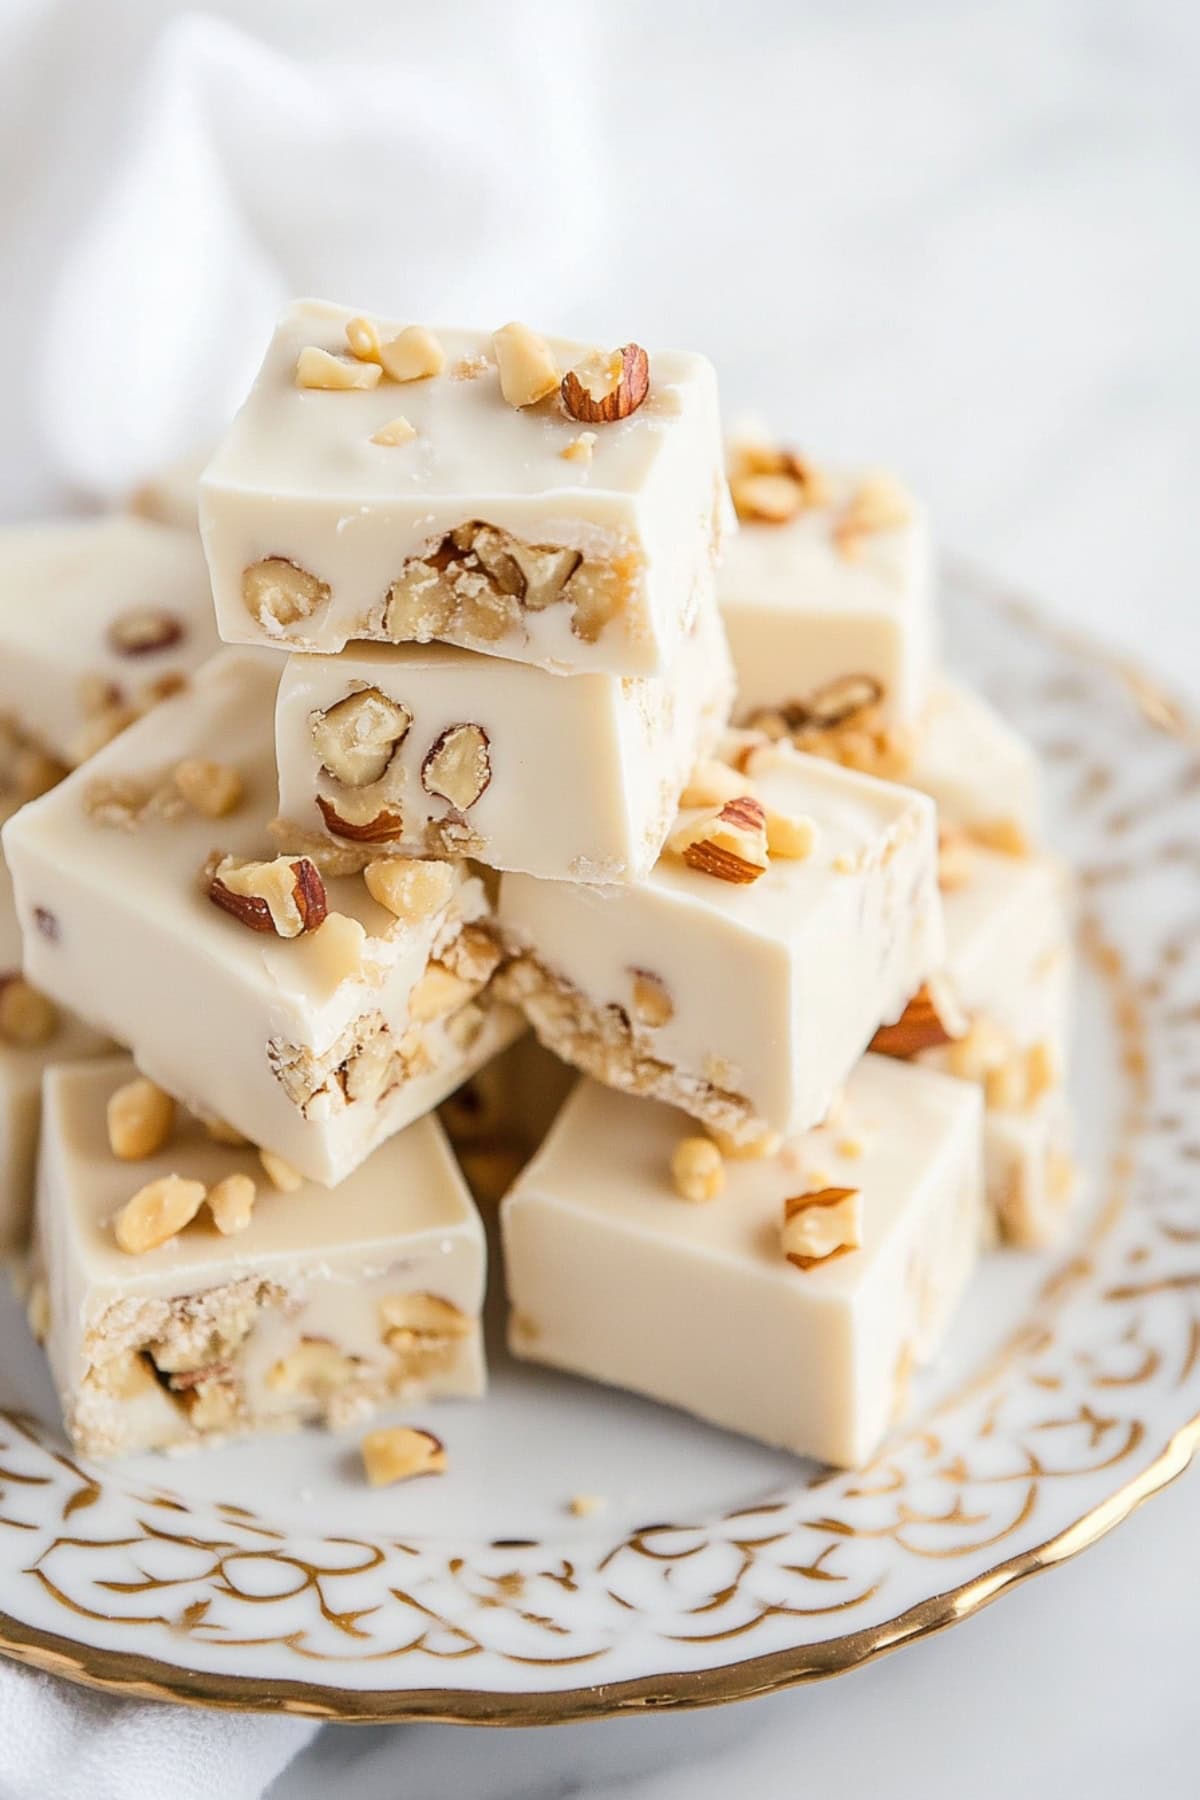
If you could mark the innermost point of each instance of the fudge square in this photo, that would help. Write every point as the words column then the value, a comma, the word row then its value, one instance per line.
column 613, row 1275
column 743, row 979
column 99, row 618
column 1006, row 989
column 826, row 590
column 385, row 482
column 304, row 1011
column 432, row 750
column 33, row 1033
column 261, row 1309
column 985, row 777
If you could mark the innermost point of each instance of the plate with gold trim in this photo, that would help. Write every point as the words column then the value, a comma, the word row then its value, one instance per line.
column 267, row 1576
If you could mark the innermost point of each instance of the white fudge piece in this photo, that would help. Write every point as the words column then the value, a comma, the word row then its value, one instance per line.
column 28, row 1043
column 811, row 600
column 172, row 495
column 612, row 1275
column 98, row 618
column 746, row 1004
column 430, row 750
column 983, row 774
column 314, row 1310
column 596, row 550
column 1007, row 979
column 318, row 1046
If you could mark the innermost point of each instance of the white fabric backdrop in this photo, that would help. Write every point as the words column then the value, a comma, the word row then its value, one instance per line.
column 953, row 236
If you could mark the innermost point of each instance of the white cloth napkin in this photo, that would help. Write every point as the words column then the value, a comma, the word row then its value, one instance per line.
column 452, row 181
column 456, row 184
column 69, row 1743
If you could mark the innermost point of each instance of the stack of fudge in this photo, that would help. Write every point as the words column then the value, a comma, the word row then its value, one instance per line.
column 517, row 731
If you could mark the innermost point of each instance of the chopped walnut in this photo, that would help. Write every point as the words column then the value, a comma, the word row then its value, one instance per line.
column 458, row 766
column 413, row 889
column 357, row 737
column 279, row 594
column 729, row 843
column 285, row 896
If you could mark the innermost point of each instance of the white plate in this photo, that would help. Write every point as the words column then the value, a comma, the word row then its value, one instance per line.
column 268, row 1576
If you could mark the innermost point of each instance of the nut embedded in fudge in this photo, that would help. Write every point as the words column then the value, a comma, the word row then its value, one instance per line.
column 310, row 1311
column 826, row 590
column 707, row 1307
column 253, row 986
column 438, row 751
column 480, row 523
column 101, row 618
column 1006, row 987
column 737, row 982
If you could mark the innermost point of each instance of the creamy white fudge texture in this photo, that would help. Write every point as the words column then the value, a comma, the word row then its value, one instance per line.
column 300, row 479
column 756, row 1000
column 1008, row 973
column 21, row 1066
column 304, row 1044
column 290, row 1319
column 96, row 614
column 569, row 780
column 611, row 1275
column 983, row 774
column 805, row 606
column 172, row 494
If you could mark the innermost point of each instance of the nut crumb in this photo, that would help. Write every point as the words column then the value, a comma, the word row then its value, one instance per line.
column 318, row 369
column 280, row 1173
column 580, row 448
column 697, row 1169
column 410, row 887
column 792, row 837
column 652, row 1002
column 231, row 1203
column 396, row 432
column 582, row 1506
column 27, row 1018
column 755, row 1149
column 141, row 1118
column 399, row 1452
column 211, row 788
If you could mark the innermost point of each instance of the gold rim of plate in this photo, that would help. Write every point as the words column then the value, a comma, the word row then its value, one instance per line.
column 148, row 1678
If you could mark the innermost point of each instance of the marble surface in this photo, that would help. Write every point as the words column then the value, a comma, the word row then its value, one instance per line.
column 949, row 236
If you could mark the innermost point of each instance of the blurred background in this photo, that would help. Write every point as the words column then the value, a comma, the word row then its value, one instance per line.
column 956, row 238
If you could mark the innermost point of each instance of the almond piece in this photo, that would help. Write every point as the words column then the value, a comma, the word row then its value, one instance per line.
column 528, row 370
column 140, row 1119
column 790, row 836
column 316, row 368
column 279, row 594
column 821, row 1224
column 919, row 1027
column 357, row 737
column 458, row 767
column 580, row 448
column 766, row 499
column 399, row 1452
column 712, row 783
column 387, row 824
column 157, row 1213
column 730, row 844
column 608, row 386
column 231, row 1203
column 414, row 354
column 286, row 895
column 410, row 887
